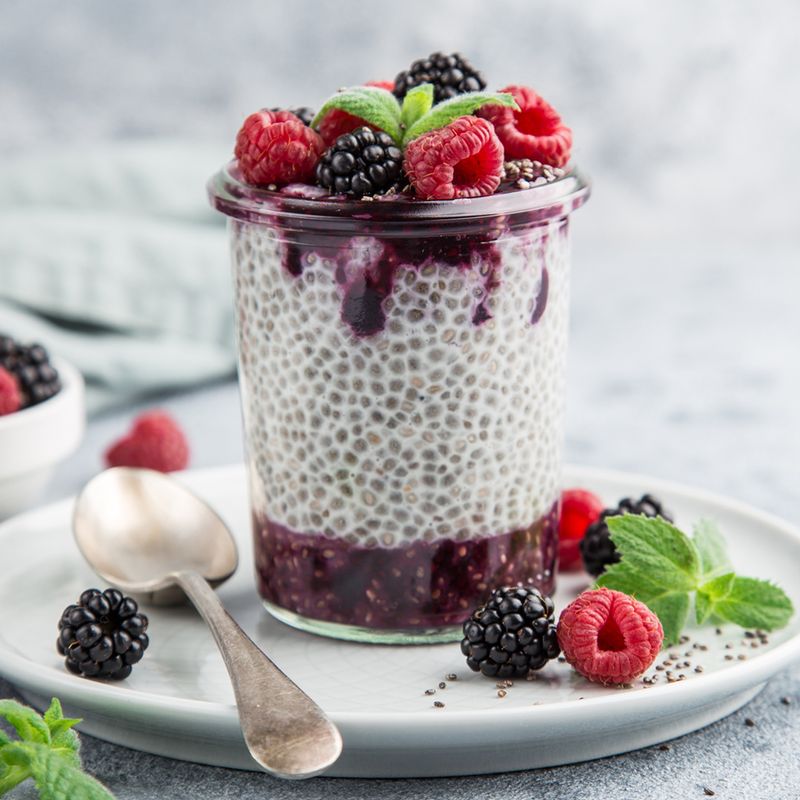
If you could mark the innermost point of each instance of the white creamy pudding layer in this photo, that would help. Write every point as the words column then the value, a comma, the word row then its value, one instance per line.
column 434, row 427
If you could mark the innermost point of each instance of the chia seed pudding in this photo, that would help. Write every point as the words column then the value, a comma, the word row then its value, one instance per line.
column 402, row 379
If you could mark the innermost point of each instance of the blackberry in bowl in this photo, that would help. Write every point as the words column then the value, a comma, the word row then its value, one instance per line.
column 43, row 424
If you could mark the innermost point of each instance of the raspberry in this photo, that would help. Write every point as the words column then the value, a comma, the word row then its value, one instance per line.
column 608, row 636
column 155, row 442
column 275, row 147
column 336, row 122
column 579, row 509
column 10, row 397
column 388, row 85
column 535, row 131
column 303, row 113
column 463, row 159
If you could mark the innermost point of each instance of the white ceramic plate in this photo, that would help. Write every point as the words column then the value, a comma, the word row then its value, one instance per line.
column 178, row 701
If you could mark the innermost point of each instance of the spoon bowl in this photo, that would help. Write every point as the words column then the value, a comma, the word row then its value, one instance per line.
column 137, row 528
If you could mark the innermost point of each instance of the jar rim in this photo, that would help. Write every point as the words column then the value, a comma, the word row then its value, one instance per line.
column 230, row 195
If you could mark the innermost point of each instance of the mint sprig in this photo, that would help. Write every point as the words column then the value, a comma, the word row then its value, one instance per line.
column 376, row 106
column 416, row 104
column 450, row 110
column 663, row 568
column 416, row 116
column 47, row 750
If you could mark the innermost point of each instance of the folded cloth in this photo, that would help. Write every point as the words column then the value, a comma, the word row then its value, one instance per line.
column 113, row 260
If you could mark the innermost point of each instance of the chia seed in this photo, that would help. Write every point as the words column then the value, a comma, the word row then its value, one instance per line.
column 451, row 676
column 438, row 704
column 750, row 723
column 787, row 701
column 442, row 685
column 430, row 691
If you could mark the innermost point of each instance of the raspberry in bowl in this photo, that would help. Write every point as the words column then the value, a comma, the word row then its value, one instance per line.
column 402, row 327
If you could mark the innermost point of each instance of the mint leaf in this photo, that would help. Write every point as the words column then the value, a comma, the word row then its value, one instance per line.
column 672, row 610
column 662, row 554
column 752, row 603
column 375, row 106
column 62, row 736
column 11, row 777
column 417, row 102
column 711, row 548
column 661, row 566
column 30, row 727
column 459, row 106
column 57, row 779
column 710, row 593
column 46, row 751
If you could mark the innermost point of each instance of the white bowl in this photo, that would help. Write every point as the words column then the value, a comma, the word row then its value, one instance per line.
column 34, row 440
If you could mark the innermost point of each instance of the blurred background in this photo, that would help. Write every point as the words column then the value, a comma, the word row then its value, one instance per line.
column 685, row 330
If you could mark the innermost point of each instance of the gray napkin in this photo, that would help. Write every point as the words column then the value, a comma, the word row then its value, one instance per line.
column 113, row 260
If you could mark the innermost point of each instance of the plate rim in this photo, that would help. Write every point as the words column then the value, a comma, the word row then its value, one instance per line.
column 42, row 680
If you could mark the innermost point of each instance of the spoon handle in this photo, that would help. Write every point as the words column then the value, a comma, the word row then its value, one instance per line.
column 285, row 730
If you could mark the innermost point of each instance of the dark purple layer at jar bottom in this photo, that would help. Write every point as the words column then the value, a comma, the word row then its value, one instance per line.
column 417, row 586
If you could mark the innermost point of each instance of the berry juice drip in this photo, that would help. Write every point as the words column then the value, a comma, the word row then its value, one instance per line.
column 366, row 268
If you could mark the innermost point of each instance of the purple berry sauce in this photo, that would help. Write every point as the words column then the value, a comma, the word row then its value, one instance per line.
column 417, row 586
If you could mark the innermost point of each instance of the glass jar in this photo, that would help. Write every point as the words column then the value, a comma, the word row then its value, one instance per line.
column 402, row 367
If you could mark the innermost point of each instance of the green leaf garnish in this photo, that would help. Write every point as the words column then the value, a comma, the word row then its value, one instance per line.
column 47, row 751
column 752, row 603
column 662, row 567
column 417, row 102
column 459, row 106
column 711, row 548
column 376, row 106
column 711, row 592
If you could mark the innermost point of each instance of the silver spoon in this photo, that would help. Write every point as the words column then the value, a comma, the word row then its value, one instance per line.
column 146, row 534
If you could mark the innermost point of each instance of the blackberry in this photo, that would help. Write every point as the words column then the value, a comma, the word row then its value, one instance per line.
column 511, row 634
column 597, row 549
column 103, row 635
column 450, row 75
column 30, row 364
column 304, row 113
column 363, row 162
